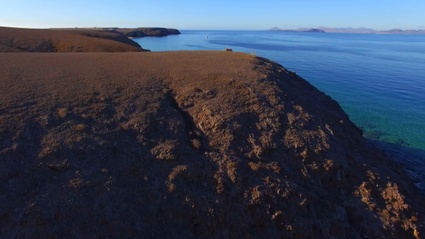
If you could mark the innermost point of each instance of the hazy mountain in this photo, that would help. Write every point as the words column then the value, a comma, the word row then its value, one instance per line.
column 298, row 30
column 350, row 30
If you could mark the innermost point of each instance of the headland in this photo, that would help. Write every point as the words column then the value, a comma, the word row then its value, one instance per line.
column 76, row 39
column 211, row 144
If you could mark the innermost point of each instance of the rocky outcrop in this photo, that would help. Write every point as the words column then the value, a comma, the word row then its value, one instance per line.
column 187, row 145
column 147, row 32
column 65, row 40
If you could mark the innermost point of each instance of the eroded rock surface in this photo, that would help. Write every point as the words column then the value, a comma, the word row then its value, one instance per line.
column 187, row 145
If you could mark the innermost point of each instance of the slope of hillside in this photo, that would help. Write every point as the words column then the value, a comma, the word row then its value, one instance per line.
column 148, row 31
column 64, row 40
column 187, row 145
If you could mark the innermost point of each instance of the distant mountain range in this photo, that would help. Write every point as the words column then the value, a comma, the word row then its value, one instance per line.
column 350, row 30
column 298, row 30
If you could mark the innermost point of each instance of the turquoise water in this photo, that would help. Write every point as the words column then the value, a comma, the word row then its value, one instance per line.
column 379, row 80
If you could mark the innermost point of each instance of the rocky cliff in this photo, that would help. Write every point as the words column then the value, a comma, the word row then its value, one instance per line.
column 187, row 145
column 147, row 32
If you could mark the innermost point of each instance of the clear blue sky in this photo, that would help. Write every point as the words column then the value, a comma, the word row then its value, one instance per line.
column 217, row 14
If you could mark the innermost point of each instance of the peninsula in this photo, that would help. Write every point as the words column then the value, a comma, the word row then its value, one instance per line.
column 147, row 32
column 76, row 39
column 189, row 144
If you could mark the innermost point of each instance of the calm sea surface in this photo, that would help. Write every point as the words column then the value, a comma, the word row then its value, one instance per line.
column 379, row 80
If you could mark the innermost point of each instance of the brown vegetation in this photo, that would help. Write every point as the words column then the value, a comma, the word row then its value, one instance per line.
column 187, row 145
column 64, row 40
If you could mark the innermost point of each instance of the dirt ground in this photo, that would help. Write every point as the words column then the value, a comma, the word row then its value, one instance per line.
column 65, row 40
column 204, row 144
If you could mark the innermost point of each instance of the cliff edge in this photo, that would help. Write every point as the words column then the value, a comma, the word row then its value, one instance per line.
column 147, row 31
column 187, row 145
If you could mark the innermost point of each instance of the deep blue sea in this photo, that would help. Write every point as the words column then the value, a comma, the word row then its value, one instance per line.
column 379, row 80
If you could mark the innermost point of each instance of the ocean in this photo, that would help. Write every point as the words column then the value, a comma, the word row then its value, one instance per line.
column 378, row 79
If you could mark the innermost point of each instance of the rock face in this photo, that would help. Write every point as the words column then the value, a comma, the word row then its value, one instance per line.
column 187, row 145
column 65, row 40
column 146, row 32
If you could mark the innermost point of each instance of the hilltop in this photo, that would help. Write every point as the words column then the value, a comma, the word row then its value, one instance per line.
column 187, row 145
column 76, row 39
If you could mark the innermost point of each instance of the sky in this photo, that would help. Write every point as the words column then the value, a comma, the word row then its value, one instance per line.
column 217, row 14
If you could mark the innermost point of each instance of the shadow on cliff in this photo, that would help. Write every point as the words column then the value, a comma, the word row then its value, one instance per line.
column 190, row 151
column 412, row 160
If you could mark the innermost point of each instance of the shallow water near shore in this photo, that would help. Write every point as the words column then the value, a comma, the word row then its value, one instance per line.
column 379, row 80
